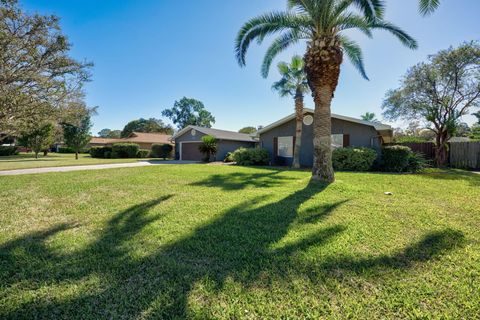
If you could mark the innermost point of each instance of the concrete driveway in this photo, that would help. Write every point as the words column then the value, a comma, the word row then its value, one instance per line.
column 145, row 163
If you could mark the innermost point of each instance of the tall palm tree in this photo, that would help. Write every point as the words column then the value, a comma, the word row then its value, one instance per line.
column 294, row 84
column 369, row 116
column 322, row 23
column 428, row 6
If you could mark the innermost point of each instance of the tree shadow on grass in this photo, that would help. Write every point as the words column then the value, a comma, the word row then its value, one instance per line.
column 236, row 246
column 454, row 175
column 240, row 180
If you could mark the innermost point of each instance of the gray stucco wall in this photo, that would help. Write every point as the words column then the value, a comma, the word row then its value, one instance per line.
column 360, row 136
column 224, row 146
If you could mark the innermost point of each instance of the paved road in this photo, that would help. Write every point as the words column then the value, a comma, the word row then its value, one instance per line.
column 91, row 167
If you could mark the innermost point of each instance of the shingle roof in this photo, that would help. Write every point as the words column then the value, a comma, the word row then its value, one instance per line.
column 377, row 125
column 149, row 137
column 136, row 137
column 218, row 134
column 98, row 140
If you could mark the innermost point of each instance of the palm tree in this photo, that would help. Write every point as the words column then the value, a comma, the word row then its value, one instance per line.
column 428, row 6
column 294, row 84
column 369, row 116
column 208, row 147
column 322, row 23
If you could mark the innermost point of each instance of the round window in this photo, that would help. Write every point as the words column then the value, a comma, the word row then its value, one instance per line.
column 307, row 120
column 193, row 132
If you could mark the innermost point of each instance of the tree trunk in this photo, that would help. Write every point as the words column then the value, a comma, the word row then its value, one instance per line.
column 76, row 155
column 45, row 152
column 322, row 65
column 36, row 154
column 441, row 150
column 298, row 131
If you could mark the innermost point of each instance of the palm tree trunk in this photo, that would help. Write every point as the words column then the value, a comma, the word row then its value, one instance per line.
column 322, row 65
column 298, row 131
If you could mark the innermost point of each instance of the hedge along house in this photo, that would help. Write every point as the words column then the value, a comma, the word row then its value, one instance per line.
column 144, row 140
column 188, row 140
column 279, row 137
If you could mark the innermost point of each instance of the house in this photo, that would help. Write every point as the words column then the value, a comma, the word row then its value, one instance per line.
column 278, row 138
column 144, row 140
column 189, row 139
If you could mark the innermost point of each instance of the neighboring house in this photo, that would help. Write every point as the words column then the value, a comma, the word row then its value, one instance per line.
column 189, row 139
column 144, row 140
column 278, row 138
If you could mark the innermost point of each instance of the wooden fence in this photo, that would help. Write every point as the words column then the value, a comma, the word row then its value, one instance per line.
column 465, row 155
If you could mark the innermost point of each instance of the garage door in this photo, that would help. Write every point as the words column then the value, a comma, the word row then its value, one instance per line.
column 190, row 151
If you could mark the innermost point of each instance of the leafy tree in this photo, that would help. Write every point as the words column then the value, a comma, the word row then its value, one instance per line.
column 151, row 125
column 77, row 136
column 189, row 112
column 440, row 91
column 462, row 130
column 477, row 115
column 208, row 147
column 369, row 116
column 323, row 25
column 475, row 133
column 108, row 133
column 37, row 73
column 294, row 84
column 248, row 130
column 38, row 138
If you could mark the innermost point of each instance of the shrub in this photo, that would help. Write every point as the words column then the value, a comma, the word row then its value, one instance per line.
column 99, row 152
column 417, row 162
column 161, row 150
column 353, row 159
column 402, row 159
column 395, row 158
column 125, row 150
column 250, row 157
column 8, row 151
column 65, row 150
column 228, row 157
column 143, row 153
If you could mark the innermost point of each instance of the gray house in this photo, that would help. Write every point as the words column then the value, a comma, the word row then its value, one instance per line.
column 278, row 138
column 189, row 139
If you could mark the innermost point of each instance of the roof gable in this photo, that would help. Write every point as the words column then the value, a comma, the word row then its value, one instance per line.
column 377, row 125
column 217, row 133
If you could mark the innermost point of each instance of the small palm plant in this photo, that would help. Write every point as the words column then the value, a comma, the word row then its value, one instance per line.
column 294, row 84
column 322, row 24
column 208, row 147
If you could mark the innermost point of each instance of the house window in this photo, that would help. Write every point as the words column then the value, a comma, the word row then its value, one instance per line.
column 337, row 141
column 285, row 147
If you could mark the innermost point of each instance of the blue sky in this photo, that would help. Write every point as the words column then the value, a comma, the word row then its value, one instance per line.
column 149, row 53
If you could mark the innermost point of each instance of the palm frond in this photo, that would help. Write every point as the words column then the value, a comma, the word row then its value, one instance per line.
column 260, row 27
column 404, row 37
column 353, row 21
column 354, row 54
column 372, row 9
column 277, row 46
column 426, row 7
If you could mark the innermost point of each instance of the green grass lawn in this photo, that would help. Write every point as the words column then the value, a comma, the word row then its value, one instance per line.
column 27, row 160
column 199, row 241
